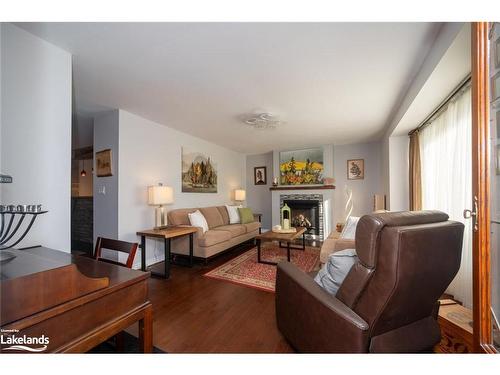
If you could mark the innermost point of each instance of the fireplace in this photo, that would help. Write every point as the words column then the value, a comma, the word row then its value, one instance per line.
column 307, row 212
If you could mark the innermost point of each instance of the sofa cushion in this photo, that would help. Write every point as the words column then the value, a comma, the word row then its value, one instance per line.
column 234, row 229
column 252, row 226
column 234, row 215
column 180, row 216
column 223, row 212
column 246, row 215
column 213, row 237
column 213, row 216
column 196, row 219
column 333, row 273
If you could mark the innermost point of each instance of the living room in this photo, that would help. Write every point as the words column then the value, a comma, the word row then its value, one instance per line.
column 195, row 196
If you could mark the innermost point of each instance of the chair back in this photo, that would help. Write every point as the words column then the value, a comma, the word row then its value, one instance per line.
column 129, row 248
column 406, row 260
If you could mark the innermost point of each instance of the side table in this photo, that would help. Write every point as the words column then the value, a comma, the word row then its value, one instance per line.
column 167, row 234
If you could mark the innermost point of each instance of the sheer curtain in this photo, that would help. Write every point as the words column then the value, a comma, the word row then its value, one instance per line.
column 446, row 161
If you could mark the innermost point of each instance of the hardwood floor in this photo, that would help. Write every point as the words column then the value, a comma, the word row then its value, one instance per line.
column 196, row 314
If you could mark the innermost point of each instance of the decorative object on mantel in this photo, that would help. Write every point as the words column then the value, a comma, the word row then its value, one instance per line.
column 328, row 181
column 349, row 204
column 158, row 195
column 103, row 162
column 301, row 167
column 303, row 187
column 239, row 196
column 199, row 173
column 275, row 181
column 9, row 231
column 263, row 121
column 285, row 217
column 260, row 176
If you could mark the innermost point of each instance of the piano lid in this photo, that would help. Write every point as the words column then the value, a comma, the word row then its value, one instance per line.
column 37, row 280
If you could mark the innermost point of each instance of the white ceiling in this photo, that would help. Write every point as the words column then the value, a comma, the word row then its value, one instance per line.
column 453, row 67
column 331, row 82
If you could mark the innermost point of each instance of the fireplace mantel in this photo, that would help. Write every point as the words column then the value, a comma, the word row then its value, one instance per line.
column 303, row 187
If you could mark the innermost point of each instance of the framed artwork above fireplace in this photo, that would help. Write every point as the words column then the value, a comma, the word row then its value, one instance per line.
column 301, row 167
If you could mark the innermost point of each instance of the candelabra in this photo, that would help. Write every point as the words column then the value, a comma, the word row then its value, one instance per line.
column 11, row 225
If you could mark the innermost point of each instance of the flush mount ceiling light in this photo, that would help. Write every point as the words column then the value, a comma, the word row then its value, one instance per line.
column 263, row 121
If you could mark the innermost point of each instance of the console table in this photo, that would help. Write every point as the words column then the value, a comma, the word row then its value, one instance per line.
column 166, row 234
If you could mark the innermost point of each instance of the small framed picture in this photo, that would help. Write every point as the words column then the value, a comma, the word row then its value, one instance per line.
column 103, row 163
column 260, row 175
column 356, row 169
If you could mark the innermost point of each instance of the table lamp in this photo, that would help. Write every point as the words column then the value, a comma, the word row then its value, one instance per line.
column 158, row 195
column 239, row 196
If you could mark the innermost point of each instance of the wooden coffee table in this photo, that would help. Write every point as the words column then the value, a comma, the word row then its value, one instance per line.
column 287, row 238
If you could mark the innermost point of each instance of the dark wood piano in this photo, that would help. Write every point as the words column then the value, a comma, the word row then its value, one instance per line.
column 74, row 301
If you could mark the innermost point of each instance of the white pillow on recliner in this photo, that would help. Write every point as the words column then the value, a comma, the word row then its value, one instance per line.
column 349, row 230
column 331, row 276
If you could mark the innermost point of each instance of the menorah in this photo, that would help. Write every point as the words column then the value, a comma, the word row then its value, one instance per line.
column 11, row 225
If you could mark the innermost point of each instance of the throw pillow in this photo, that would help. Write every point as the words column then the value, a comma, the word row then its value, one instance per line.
column 334, row 271
column 246, row 215
column 234, row 216
column 349, row 231
column 198, row 220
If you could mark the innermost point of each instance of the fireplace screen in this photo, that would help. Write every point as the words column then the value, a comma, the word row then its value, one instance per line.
column 305, row 213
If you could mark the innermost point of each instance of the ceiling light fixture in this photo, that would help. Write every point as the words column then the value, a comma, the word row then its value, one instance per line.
column 263, row 121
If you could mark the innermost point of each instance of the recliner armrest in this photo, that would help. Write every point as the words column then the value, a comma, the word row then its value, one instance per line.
column 313, row 320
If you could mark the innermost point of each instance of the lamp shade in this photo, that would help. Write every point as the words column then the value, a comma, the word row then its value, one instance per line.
column 239, row 195
column 160, row 194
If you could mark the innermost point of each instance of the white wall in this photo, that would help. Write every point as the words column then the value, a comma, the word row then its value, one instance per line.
column 151, row 153
column 259, row 196
column 444, row 39
column 106, row 135
column 36, row 132
column 362, row 190
column 399, row 173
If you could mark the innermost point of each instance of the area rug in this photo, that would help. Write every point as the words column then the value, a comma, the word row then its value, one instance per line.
column 245, row 270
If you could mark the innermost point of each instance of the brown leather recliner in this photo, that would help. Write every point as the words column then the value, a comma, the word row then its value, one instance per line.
column 387, row 303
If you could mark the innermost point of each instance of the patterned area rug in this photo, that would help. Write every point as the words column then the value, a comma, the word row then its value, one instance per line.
column 245, row 270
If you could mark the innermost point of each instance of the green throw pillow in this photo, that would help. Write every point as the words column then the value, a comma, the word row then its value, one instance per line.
column 246, row 215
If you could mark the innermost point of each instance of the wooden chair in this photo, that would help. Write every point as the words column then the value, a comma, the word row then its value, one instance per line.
column 129, row 248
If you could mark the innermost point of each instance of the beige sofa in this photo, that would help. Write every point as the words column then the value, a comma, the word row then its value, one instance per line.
column 220, row 236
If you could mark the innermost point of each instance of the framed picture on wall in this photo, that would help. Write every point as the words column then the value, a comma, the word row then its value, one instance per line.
column 260, row 176
column 356, row 169
column 103, row 162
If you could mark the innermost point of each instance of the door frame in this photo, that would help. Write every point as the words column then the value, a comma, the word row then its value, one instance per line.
column 482, row 337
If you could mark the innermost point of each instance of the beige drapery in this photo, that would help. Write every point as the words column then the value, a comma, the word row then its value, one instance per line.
column 415, row 173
